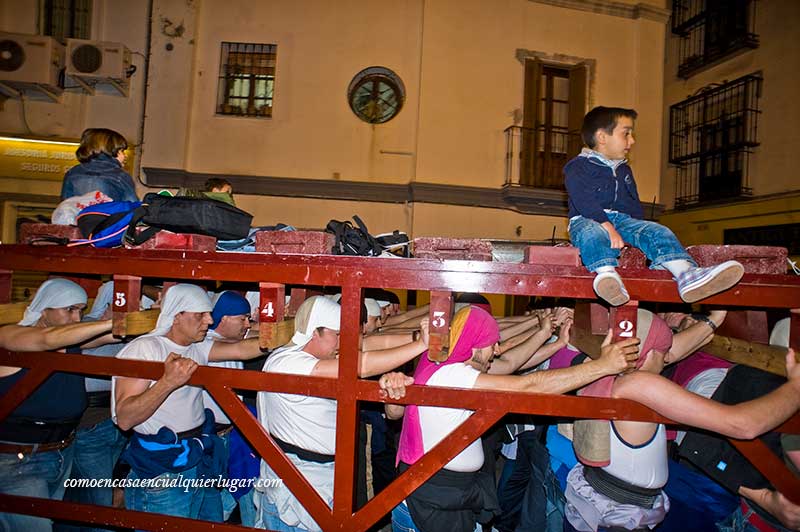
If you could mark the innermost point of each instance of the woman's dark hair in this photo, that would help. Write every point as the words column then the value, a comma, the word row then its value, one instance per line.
column 95, row 141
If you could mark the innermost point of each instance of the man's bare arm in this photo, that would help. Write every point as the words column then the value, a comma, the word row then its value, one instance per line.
column 136, row 400
column 744, row 420
column 614, row 359
column 241, row 350
column 19, row 338
column 410, row 315
column 374, row 362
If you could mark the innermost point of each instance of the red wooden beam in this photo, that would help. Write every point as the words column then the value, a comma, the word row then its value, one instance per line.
column 347, row 407
column 622, row 321
column 5, row 286
column 439, row 315
column 127, row 294
column 106, row 515
column 762, row 291
column 771, row 466
column 266, row 447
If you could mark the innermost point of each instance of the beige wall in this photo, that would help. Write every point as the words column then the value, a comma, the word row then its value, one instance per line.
column 707, row 226
column 457, row 59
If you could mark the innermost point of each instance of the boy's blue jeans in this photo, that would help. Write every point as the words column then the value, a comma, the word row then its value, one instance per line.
column 657, row 242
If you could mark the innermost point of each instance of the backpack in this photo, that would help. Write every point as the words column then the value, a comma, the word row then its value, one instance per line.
column 190, row 215
column 104, row 225
column 353, row 240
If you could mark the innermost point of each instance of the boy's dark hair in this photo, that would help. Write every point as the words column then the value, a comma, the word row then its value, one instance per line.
column 604, row 118
column 216, row 182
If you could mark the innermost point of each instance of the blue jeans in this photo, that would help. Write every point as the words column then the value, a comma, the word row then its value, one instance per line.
column 401, row 519
column 247, row 509
column 269, row 518
column 181, row 501
column 402, row 522
column 97, row 449
column 657, row 242
column 738, row 522
column 39, row 474
column 212, row 507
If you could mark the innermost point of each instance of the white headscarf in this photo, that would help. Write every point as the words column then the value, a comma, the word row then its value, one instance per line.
column 316, row 311
column 780, row 333
column 382, row 303
column 373, row 309
column 180, row 298
column 334, row 297
column 53, row 293
column 101, row 301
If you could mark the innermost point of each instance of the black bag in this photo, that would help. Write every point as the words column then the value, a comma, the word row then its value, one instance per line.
column 353, row 240
column 712, row 454
column 189, row 215
column 396, row 242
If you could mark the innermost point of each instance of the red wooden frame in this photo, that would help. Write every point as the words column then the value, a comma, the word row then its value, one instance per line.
column 354, row 274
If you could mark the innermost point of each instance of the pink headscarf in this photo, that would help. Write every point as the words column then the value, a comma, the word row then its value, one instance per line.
column 472, row 327
column 659, row 337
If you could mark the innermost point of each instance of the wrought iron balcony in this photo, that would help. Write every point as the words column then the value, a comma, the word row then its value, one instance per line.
column 535, row 157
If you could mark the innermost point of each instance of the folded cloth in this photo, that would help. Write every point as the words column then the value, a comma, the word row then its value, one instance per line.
column 150, row 455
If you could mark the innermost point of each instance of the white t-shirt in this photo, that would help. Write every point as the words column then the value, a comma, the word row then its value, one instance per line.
column 437, row 422
column 182, row 410
column 305, row 421
column 208, row 402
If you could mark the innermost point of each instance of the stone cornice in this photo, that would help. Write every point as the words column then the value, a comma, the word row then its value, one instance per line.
column 614, row 9
column 525, row 200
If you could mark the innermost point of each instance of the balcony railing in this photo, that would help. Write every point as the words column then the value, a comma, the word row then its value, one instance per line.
column 711, row 30
column 535, row 157
column 712, row 136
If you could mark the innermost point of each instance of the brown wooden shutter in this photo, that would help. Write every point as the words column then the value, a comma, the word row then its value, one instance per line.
column 577, row 108
column 530, row 119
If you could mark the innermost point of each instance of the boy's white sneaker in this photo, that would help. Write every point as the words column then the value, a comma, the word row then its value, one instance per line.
column 609, row 286
column 699, row 283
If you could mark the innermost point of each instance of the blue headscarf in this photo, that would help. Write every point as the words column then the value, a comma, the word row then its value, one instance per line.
column 229, row 303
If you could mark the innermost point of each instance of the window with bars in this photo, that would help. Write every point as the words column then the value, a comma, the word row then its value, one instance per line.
column 246, row 79
column 711, row 30
column 712, row 135
column 555, row 102
column 67, row 19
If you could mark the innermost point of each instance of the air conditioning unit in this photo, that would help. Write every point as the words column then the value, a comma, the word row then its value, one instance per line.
column 98, row 64
column 30, row 62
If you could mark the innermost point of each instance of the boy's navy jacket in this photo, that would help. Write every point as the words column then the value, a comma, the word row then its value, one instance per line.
column 593, row 186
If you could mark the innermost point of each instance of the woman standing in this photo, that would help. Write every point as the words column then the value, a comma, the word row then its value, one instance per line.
column 102, row 156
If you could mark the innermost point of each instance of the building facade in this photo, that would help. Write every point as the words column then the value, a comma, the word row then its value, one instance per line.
column 730, row 113
column 438, row 117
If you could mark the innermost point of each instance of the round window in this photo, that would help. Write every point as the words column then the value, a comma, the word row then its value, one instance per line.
column 376, row 95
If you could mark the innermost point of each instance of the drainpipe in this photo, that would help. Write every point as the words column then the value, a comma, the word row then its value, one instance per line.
column 147, row 51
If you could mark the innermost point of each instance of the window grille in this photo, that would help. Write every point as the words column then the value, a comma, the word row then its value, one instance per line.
column 712, row 135
column 711, row 30
column 67, row 19
column 246, row 79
